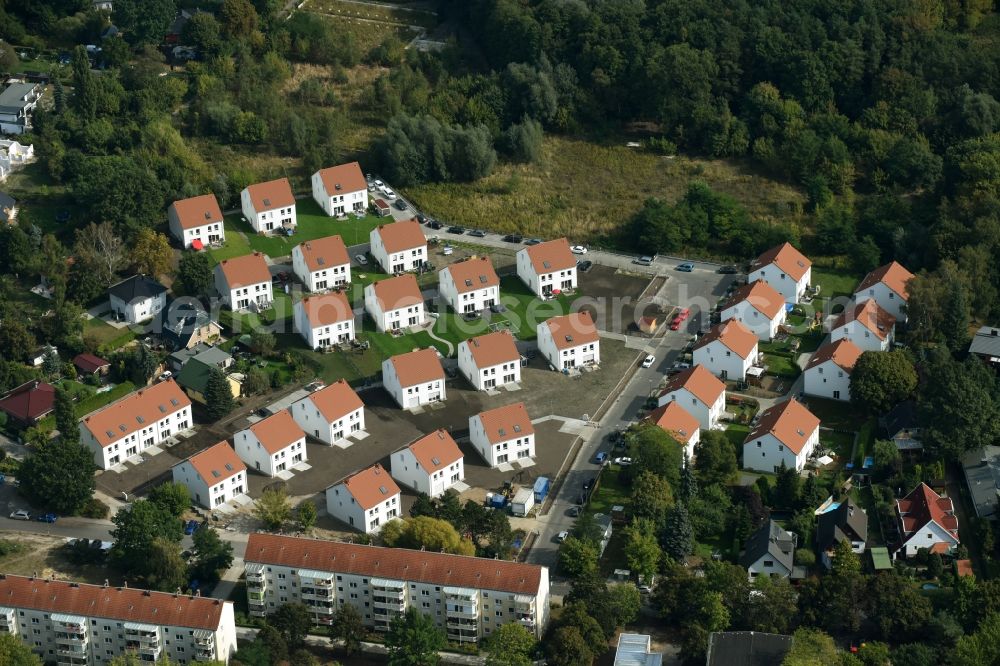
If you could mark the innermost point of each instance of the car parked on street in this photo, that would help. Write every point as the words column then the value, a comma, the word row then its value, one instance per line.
column 533, row 241
column 644, row 260
column 686, row 267
column 729, row 270
column 477, row 233
column 679, row 319
column 584, row 266
column 20, row 514
column 512, row 238
column 401, row 205
column 389, row 194
column 578, row 249
column 601, row 457
column 648, row 361
column 456, row 230
column 434, row 224
column 47, row 518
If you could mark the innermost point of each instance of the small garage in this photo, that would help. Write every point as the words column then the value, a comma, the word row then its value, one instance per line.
column 382, row 209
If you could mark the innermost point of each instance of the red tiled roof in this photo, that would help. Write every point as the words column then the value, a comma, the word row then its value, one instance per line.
column 922, row 506
column 29, row 401
column 89, row 363
column 699, row 381
column 139, row 409
column 417, row 367
column 326, row 309
column 870, row 315
column 197, row 211
column 347, row 176
column 843, row 353
column 761, row 296
column 553, row 255
column 505, row 423
column 435, row 451
column 114, row 603
column 400, row 236
column 324, row 253
column 395, row 563
column 472, row 274
column 217, row 463
column 734, row 335
column 370, row 487
column 572, row 330
column 336, row 400
column 244, row 271
column 676, row 421
column 397, row 292
column 790, row 423
column 277, row 431
column 786, row 258
column 892, row 275
column 271, row 195
column 493, row 349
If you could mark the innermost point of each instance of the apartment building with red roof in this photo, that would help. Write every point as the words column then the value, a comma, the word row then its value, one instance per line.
column 197, row 222
column 365, row 500
column 395, row 303
column 569, row 341
column 828, row 373
column 415, row 378
column 784, row 268
column 398, row 247
column 331, row 414
column 244, row 282
column 341, row 189
column 322, row 263
column 758, row 306
column 888, row 286
column 213, row 476
column 786, row 433
column 699, row 392
column 272, row 445
column 490, row 360
column 269, row 207
column 430, row 464
column 926, row 520
column 867, row 325
column 728, row 350
column 547, row 268
column 324, row 319
column 503, row 434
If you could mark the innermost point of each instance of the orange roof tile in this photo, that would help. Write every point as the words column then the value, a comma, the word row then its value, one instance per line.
column 417, row 367
column 271, row 195
column 435, row 451
column 277, row 431
column 701, row 383
column 492, row 349
column 114, row 603
column 553, row 255
column 326, row 309
column 790, row 423
column 572, row 330
column 472, row 274
column 676, row 421
column 400, row 236
column 323, row 253
column 370, row 487
column 395, row 563
column 336, row 400
column 139, row 409
column 786, row 258
column 734, row 335
column 761, row 296
column 843, row 353
column 343, row 178
column 217, row 463
column 870, row 315
column 505, row 423
column 197, row 211
column 397, row 292
column 246, row 270
column 892, row 275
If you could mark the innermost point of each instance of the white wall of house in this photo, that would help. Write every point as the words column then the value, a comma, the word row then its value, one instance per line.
column 140, row 309
column 411, row 474
column 768, row 566
column 783, row 283
column 411, row 396
column 255, row 456
column 208, row 497
column 313, row 423
column 572, row 357
column 722, row 361
column 708, row 415
column 542, row 285
column 207, row 233
column 405, row 317
column 766, row 453
column 106, row 457
column 828, row 380
column 335, row 204
column 508, row 450
column 320, row 280
column 318, row 337
column 489, row 377
column 754, row 319
column 473, row 300
column 341, row 505
column 397, row 262
column 886, row 298
column 927, row 536
column 862, row 336
column 268, row 220
column 241, row 298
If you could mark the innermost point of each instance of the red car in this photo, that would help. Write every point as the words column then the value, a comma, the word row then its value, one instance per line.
column 679, row 319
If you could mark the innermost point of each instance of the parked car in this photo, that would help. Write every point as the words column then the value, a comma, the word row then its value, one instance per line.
column 389, row 194
column 361, row 259
column 421, row 218
column 401, row 205
column 686, row 267
column 562, row 536
column 47, row 518
column 648, row 361
column 191, row 527
column 601, row 458
column 729, row 270
column 644, row 260
column 165, row 376
column 533, row 241
column 584, row 266
column 498, row 307
column 623, row 461
column 434, row 224
column 447, row 250
column 512, row 238
column 472, row 316
column 20, row 514
column 456, row 230
column 478, row 233
column 578, row 249
column 679, row 319
column 379, row 184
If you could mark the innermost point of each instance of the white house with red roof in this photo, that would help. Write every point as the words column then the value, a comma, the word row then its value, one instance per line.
column 547, row 267
column 269, row 206
column 340, row 189
column 888, row 286
column 273, row 445
column 431, row 464
column 398, row 247
column 784, row 268
column 490, row 360
column 244, row 282
column 699, row 392
column 679, row 424
column 132, row 424
column 758, row 306
column 469, row 286
column 415, row 378
column 867, row 325
column 197, row 222
column 926, row 520
column 365, row 500
column 213, row 476
column 322, row 263
column 503, row 435
column 828, row 373
column 728, row 350
column 395, row 303
column 331, row 414
column 324, row 319
column 785, row 433
column 569, row 341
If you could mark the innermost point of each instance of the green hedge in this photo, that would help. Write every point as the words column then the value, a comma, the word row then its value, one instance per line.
column 117, row 342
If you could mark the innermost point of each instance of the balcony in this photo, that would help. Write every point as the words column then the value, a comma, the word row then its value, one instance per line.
column 311, row 593
column 463, row 625
column 464, row 611
column 204, row 654
column 255, row 596
column 389, row 593
column 463, row 636
column 142, row 638
column 71, row 639
column 75, row 654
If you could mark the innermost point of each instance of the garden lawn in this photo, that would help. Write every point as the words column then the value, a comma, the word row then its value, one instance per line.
column 842, row 443
column 236, row 239
column 354, row 367
column 835, row 414
column 610, row 492
column 107, row 336
column 525, row 310
column 313, row 223
column 781, row 366
column 242, row 322
column 386, row 345
column 836, row 284
column 737, row 433
column 91, row 403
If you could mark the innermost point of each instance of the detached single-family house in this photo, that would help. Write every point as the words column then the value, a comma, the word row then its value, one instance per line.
column 837, row 522
column 569, row 341
column 867, row 325
column 324, row 319
column 208, row 354
column 365, row 500
column 398, row 247
column 197, row 222
column 982, row 476
column 469, row 286
column 132, row 424
column 490, row 360
column 272, row 445
column 321, row 264
column 784, row 268
column 986, row 346
column 186, row 323
column 699, row 392
column 759, row 307
column 547, row 268
column 194, row 376
column 395, row 303
column 213, row 476
column 887, row 286
column 728, row 350
column 926, row 520
column 770, row 551
column 331, row 414
column 746, row 648
column 431, row 464
column 17, row 102
column 828, row 373
column 137, row 299
column 89, row 364
column 269, row 206
column 8, row 208
column 785, row 433
column 502, row 435
column 340, row 189
column 679, row 424
column 29, row 403
column 415, row 378
column 244, row 282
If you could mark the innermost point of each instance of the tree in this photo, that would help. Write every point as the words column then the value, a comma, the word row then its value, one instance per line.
column 203, row 32
column 709, row 512
column 567, row 648
column 84, row 86
column 256, row 382
column 577, row 614
column 59, row 475
column 262, row 342
column 174, row 498
column 981, row 647
column 212, row 555
column 715, row 459
column 414, row 640
column 349, row 627
column 14, row 652
column 16, row 341
column 194, row 271
column 218, row 395
column 140, row 365
column 163, row 567
column 239, row 18
column 770, row 607
column 307, row 515
column 620, row 607
column 651, row 497
column 881, row 380
column 428, row 533
column 293, row 621
column 577, row 557
column 955, row 317
column 66, row 421
column 642, row 551
column 272, row 508
column 656, row 452
column 101, row 246
column 523, row 141
column 510, row 645
column 812, row 647
column 689, row 485
column 957, row 406
column 136, row 528
column 678, row 537
column 151, row 254
column 899, row 610
column 144, row 21
column 787, row 487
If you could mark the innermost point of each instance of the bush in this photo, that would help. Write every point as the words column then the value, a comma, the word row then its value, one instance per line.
column 9, row 547
column 805, row 557
column 10, row 466
column 94, row 508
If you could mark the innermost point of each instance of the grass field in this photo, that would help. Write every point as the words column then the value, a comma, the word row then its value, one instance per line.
column 835, row 414
column 367, row 34
column 781, row 366
column 107, row 336
column 243, row 321
column 611, row 492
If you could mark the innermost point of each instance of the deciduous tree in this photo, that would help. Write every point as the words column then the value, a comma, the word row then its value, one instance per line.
column 59, row 475
column 194, row 271
column 425, row 532
column 881, row 380
column 642, row 551
column 651, row 497
column 101, row 246
column 151, row 254
column 15, row 652
column 212, row 555
column 414, row 640
column 66, row 421
column 273, row 508
column 174, row 498
column 307, row 515
column 510, row 645
column 348, row 626
column 577, row 557
column 293, row 621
